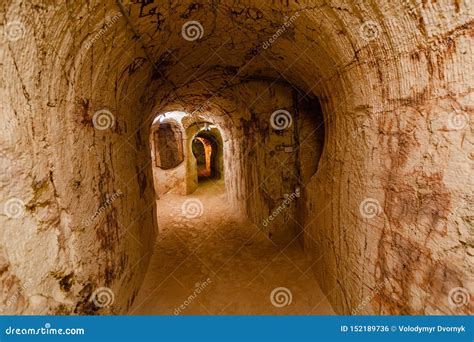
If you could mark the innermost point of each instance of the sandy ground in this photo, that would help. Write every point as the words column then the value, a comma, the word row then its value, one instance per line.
column 218, row 263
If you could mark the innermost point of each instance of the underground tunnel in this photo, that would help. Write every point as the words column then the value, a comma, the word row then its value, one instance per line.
column 237, row 157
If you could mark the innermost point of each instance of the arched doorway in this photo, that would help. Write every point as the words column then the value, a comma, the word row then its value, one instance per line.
column 208, row 151
column 202, row 151
column 168, row 153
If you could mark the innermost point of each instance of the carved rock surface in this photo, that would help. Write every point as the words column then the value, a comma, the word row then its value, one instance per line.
column 385, row 212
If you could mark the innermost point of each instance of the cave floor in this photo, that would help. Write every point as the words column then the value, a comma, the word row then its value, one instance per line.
column 221, row 264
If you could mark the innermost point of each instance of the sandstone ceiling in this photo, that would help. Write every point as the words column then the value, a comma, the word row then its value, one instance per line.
column 394, row 80
column 314, row 42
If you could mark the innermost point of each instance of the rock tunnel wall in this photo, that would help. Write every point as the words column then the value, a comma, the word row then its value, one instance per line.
column 268, row 157
column 78, row 210
column 256, row 155
column 171, row 179
column 394, row 172
column 388, row 215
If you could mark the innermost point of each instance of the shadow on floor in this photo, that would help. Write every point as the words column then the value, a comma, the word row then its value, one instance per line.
column 208, row 260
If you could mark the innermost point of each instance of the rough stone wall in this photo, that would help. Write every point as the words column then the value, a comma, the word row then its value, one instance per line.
column 268, row 157
column 310, row 143
column 173, row 179
column 395, row 82
column 78, row 210
column 396, row 226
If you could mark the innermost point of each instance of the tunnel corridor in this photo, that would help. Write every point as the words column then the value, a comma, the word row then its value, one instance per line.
column 210, row 260
column 237, row 157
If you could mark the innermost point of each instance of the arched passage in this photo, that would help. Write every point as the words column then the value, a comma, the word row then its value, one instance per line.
column 203, row 152
column 385, row 206
column 167, row 142
column 209, row 153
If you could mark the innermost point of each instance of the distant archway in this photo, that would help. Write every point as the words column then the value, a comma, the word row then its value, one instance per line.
column 168, row 153
column 203, row 151
column 207, row 149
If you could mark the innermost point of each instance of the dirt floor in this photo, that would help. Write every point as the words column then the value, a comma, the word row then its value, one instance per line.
column 207, row 260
